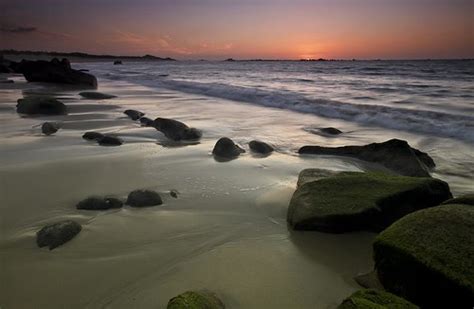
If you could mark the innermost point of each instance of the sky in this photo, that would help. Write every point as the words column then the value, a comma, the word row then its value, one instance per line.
column 246, row 29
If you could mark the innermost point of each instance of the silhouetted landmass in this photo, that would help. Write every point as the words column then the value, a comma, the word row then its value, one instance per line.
column 82, row 55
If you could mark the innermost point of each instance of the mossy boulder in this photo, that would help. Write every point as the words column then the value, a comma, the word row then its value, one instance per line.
column 467, row 199
column 56, row 234
column 352, row 201
column 375, row 299
column 36, row 105
column 394, row 154
column 195, row 300
column 312, row 174
column 427, row 257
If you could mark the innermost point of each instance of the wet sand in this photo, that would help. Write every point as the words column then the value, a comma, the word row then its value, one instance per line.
column 225, row 232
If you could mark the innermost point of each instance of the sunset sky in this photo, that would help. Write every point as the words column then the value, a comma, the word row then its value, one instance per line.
column 216, row 29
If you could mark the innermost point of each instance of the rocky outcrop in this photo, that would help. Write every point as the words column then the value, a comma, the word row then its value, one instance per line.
column 352, row 201
column 98, row 203
column 176, row 130
column 427, row 257
column 467, row 199
column 226, row 149
column 375, row 299
column 330, row 131
column 40, row 105
column 146, row 122
column 96, row 95
column 55, row 71
column 394, row 154
column 196, row 300
column 134, row 114
column 49, row 128
column 92, row 136
column 54, row 235
column 260, row 147
column 143, row 198
column 108, row 140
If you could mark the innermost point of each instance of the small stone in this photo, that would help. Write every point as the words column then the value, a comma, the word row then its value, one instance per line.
column 134, row 114
column 143, row 198
column 226, row 148
column 49, row 128
column 92, row 136
column 54, row 235
column 260, row 147
column 108, row 140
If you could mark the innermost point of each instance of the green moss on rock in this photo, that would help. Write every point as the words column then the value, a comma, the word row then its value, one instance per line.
column 195, row 300
column 353, row 201
column 375, row 299
column 427, row 257
column 467, row 199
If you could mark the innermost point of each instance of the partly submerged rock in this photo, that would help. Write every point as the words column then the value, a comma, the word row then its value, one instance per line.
column 40, row 105
column 375, row 299
column 55, row 71
column 352, row 201
column 143, row 198
column 427, row 257
column 225, row 148
column 394, row 154
column 98, row 203
column 92, row 136
column 260, row 147
column 195, row 300
column 96, row 95
column 330, row 131
column 467, row 199
column 117, row 62
column 134, row 114
column 56, row 234
column 49, row 128
column 108, row 140
column 146, row 122
column 174, row 193
column 176, row 130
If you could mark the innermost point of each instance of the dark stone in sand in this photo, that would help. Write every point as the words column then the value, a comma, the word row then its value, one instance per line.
column 394, row 154
column 176, row 130
column 108, row 140
column 196, row 300
column 375, row 299
column 353, row 201
column 40, row 105
column 427, row 257
column 55, row 71
column 260, row 147
column 96, row 95
column 92, row 136
column 174, row 193
column 134, row 114
column 146, row 122
column 143, row 198
column 331, row 131
column 54, row 235
column 49, row 128
column 97, row 203
column 117, row 62
column 227, row 149
column 467, row 199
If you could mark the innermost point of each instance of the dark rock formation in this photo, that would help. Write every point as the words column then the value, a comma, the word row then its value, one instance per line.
column 40, row 105
column 427, row 257
column 55, row 71
column 117, row 62
column 96, row 95
column 97, row 203
column 330, row 131
column 143, row 198
column 176, row 130
column 352, row 201
column 108, row 140
column 54, row 235
column 92, row 136
column 196, row 300
column 260, row 147
column 146, row 122
column 394, row 154
column 49, row 128
column 134, row 114
column 226, row 148
column 375, row 299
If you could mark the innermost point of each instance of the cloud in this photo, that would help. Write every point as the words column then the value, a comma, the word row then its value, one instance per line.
column 17, row 29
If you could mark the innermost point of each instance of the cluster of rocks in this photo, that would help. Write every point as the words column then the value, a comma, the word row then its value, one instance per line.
column 226, row 149
column 102, row 139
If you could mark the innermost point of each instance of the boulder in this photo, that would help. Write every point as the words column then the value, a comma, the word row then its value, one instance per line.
column 143, row 198
column 96, row 95
column 40, row 105
column 369, row 280
column 92, row 136
column 98, row 203
column 352, row 201
column 260, row 147
column 54, row 235
column 146, row 122
column 394, row 154
column 49, row 128
column 225, row 148
column 427, row 257
column 108, row 140
column 467, row 199
column 55, row 71
column 375, row 299
column 330, row 131
column 117, row 62
column 312, row 174
column 134, row 114
column 195, row 300
column 176, row 130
